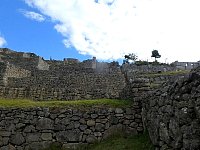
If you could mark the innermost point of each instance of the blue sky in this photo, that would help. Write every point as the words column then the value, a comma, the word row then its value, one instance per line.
column 106, row 29
column 23, row 34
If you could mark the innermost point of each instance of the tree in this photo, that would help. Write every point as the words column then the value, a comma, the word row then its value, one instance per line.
column 155, row 54
column 133, row 57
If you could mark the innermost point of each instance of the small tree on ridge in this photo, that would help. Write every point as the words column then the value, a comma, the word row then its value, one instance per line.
column 131, row 56
column 155, row 54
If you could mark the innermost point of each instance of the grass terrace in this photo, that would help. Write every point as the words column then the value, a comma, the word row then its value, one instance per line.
column 26, row 103
column 168, row 73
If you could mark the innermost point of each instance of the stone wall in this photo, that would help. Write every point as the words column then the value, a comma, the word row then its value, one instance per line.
column 42, row 65
column 147, row 68
column 14, row 72
column 35, row 78
column 17, row 59
column 2, row 71
column 66, row 86
column 171, row 114
column 37, row 128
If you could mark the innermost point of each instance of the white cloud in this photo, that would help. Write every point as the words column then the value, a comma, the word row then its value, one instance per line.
column 67, row 43
column 33, row 15
column 2, row 41
column 111, row 28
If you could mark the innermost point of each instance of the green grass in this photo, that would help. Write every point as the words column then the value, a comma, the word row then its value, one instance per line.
column 118, row 142
column 168, row 73
column 139, row 142
column 25, row 103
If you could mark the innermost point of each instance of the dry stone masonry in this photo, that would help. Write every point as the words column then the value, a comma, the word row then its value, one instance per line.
column 37, row 128
column 168, row 106
column 26, row 75
column 29, row 76
column 172, row 114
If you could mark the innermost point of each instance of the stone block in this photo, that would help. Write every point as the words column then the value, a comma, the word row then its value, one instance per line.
column 91, row 139
column 44, row 124
column 5, row 133
column 46, row 136
column 17, row 139
column 91, row 123
column 32, row 137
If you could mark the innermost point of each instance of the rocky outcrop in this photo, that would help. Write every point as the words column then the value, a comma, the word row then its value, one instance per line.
column 171, row 114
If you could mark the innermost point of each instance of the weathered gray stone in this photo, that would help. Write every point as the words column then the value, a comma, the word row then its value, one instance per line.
column 119, row 115
column 140, row 129
column 82, row 121
column 83, row 127
column 99, row 127
column 20, row 125
column 4, row 141
column 68, row 136
column 164, row 132
column 5, row 133
column 88, row 131
column 44, row 124
column 38, row 145
column 46, row 136
column 62, row 116
column 128, row 111
column 29, row 129
column 59, row 127
column 75, row 118
column 17, row 139
column 32, row 137
column 93, row 116
column 71, row 146
column 70, row 126
column 8, row 147
column 85, row 115
column 65, row 121
column 11, row 128
column 1, row 141
column 19, row 148
column 97, row 134
column 53, row 116
column 114, row 120
column 91, row 123
column 91, row 139
column 76, row 124
column 126, row 122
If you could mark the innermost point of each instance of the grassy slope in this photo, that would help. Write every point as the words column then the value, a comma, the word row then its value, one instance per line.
column 168, row 73
column 118, row 142
column 139, row 142
column 25, row 103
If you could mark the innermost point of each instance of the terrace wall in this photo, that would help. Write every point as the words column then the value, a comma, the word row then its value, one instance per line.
column 172, row 114
column 37, row 128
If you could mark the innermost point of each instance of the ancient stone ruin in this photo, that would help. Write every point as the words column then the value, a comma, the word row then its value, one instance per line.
column 165, row 105
column 172, row 114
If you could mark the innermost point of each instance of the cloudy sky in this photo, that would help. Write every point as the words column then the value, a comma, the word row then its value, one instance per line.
column 107, row 29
